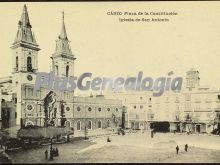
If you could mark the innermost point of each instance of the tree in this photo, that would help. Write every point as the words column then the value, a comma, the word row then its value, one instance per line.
column 4, row 137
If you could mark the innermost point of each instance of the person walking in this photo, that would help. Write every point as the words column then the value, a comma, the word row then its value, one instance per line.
column 152, row 133
column 177, row 149
column 46, row 154
column 108, row 139
column 57, row 151
column 186, row 147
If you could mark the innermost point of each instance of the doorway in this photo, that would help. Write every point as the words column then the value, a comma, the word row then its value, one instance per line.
column 198, row 128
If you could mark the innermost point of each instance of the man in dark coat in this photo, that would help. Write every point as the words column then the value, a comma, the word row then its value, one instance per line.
column 57, row 152
column 186, row 147
column 177, row 149
column 46, row 154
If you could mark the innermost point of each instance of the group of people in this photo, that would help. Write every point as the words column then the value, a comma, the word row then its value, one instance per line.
column 108, row 139
column 53, row 152
column 177, row 148
column 121, row 131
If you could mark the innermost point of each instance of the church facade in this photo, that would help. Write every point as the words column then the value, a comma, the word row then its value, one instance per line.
column 42, row 107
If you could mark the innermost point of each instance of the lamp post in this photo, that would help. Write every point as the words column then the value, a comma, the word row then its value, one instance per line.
column 85, row 125
column 51, row 148
column 22, row 109
column 85, row 121
column 85, row 132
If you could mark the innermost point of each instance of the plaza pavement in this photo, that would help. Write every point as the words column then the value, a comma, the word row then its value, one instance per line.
column 134, row 147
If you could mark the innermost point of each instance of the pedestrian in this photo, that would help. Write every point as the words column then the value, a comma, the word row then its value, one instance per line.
column 123, row 132
column 53, row 151
column 177, row 149
column 57, row 152
column 108, row 139
column 46, row 154
column 152, row 134
column 186, row 147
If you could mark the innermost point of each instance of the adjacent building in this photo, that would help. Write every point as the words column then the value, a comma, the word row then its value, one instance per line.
column 193, row 109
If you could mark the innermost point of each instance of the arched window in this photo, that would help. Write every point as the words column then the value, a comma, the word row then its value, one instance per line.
column 29, row 64
column 99, row 109
column 78, row 108
column 67, row 124
column 67, row 70
column 29, row 123
column 17, row 63
column 108, row 123
column 89, row 109
column 78, row 125
column 90, row 124
column 99, row 124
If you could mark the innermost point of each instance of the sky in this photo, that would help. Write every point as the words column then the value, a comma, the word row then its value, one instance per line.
column 109, row 48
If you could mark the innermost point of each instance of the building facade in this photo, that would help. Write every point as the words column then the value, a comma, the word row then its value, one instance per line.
column 201, row 110
column 194, row 109
column 29, row 107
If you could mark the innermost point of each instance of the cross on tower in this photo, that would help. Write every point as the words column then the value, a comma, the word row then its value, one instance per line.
column 63, row 15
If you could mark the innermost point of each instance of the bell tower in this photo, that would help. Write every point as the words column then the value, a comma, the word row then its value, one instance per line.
column 25, row 48
column 63, row 58
column 25, row 65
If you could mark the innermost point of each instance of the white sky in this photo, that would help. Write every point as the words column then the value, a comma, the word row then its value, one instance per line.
column 106, row 47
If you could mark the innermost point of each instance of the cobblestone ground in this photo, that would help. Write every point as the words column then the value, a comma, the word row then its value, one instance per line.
column 130, row 148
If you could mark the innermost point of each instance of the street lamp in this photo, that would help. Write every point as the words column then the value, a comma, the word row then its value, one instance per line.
column 51, row 148
column 85, row 122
